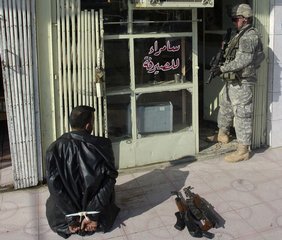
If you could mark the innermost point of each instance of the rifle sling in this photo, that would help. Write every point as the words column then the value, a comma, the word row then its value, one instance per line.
column 235, row 40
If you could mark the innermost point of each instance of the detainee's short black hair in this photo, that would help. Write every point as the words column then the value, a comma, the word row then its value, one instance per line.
column 80, row 116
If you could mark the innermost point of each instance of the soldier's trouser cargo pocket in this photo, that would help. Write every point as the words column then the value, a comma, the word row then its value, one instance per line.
column 237, row 97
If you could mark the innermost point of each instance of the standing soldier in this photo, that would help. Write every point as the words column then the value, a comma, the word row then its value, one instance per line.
column 243, row 55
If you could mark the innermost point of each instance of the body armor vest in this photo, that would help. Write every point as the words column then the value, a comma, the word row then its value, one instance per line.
column 231, row 50
column 233, row 45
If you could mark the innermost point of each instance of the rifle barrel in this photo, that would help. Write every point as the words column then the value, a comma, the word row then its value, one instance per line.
column 210, row 78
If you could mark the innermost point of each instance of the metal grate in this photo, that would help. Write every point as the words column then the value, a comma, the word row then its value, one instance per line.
column 17, row 49
column 81, row 63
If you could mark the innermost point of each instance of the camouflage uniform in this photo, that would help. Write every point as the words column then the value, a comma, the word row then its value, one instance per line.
column 239, row 72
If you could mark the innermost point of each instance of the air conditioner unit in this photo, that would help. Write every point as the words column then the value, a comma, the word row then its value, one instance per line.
column 172, row 4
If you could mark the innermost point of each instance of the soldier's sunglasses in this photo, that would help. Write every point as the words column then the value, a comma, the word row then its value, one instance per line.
column 236, row 19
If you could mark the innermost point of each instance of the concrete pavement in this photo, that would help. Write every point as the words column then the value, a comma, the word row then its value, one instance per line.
column 247, row 195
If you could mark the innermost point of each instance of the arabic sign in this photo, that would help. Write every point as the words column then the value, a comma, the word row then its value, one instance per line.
column 153, row 61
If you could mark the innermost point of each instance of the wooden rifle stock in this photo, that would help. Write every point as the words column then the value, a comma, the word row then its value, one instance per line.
column 180, row 205
column 180, row 223
column 185, row 218
column 206, row 223
column 208, row 220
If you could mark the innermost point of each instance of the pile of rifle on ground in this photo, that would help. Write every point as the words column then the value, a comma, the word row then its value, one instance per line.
column 196, row 214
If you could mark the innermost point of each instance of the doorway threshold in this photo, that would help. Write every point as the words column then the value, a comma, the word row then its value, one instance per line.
column 216, row 149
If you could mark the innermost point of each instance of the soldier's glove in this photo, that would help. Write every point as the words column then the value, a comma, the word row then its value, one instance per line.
column 216, row 71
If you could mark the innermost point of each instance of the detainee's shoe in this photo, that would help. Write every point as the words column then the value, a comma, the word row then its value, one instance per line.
column 221, row 137
column 241, row 154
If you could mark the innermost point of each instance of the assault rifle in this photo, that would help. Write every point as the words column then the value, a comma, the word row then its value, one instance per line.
column 184, row 217
column 196, row 214
column 218, row 59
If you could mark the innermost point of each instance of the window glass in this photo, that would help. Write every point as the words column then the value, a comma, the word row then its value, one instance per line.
column 156, row 61
column 118, row 117
column 117, row 63
column 115, row 17
column 145, row 21
column 164, row 112
column 162, row 21
column 163, row 60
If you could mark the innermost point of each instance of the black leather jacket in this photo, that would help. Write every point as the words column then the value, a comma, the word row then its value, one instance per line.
column 81, row 176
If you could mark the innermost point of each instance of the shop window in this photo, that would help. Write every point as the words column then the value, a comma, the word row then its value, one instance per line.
column 118, row 117
column 163, row 60
column 97, row 4
column 162, row 21
column 164, row 112
column 156, row 113
column 116, row 17
column 161, row 56
column 154, row 21
column 117, row 63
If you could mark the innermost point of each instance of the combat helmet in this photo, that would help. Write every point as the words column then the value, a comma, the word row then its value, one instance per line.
column 242, row 10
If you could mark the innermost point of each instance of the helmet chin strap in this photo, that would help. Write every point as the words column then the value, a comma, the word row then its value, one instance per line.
column 245, row 22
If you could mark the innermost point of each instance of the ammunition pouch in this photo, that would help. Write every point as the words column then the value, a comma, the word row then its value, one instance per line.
column 230, row 76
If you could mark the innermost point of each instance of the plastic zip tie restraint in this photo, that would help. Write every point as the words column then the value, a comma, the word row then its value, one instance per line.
column 81, row 214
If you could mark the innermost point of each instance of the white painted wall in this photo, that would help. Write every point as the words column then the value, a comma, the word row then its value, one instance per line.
column 274, row 119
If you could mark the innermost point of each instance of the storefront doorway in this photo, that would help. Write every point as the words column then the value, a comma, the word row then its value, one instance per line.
column 148, row 60
column 216, row 20
column 151, row 83
column 151, row 65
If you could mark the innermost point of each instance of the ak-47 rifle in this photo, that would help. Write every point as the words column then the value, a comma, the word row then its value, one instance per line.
column 201, row 209
column 218, row 59
column 185, row 217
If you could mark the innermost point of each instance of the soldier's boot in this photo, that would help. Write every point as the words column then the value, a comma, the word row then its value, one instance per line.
column 221, row 137
column 242, row 153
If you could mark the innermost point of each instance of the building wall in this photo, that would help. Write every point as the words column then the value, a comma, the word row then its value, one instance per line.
column 274, row 120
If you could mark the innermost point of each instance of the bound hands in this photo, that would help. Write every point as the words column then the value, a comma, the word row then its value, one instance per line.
column 89, row 226
column 86, row 225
